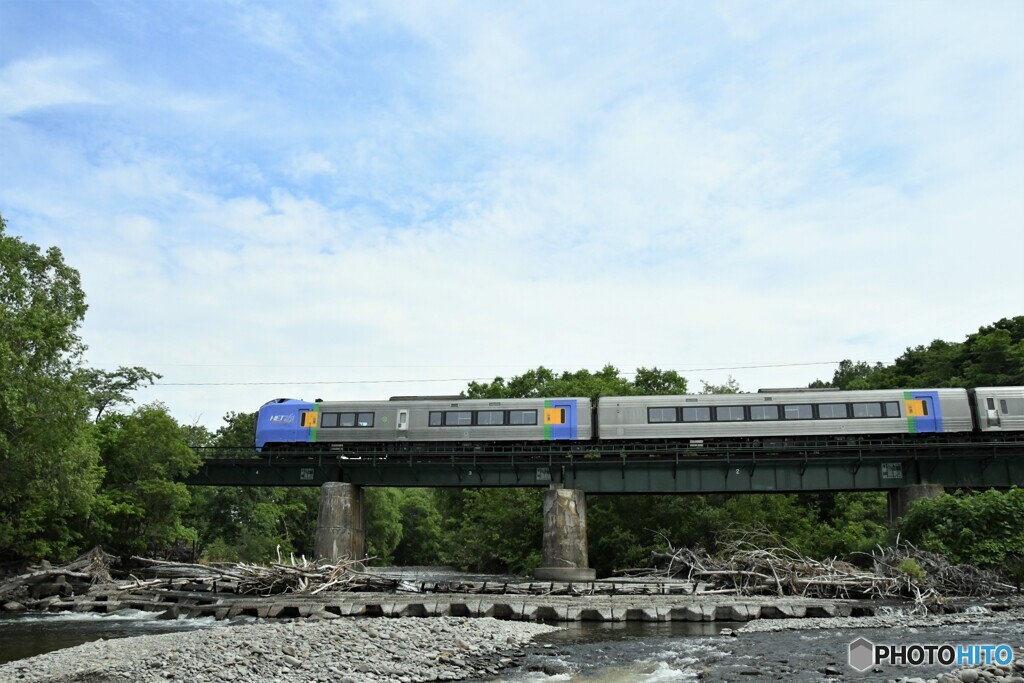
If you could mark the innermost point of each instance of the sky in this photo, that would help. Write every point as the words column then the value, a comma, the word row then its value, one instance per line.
column 348, row 200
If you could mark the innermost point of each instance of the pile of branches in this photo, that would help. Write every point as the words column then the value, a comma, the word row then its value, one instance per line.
column 297, row 576
column 45, row 580
column 937, row 573
column 745, row 567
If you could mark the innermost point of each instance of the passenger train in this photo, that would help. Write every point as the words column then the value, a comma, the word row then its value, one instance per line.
column 771, row 416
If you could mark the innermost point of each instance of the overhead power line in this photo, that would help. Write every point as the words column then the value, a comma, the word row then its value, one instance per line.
column 464, row 379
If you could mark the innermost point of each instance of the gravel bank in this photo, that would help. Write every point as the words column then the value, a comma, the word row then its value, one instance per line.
column 889, row 621
column 339, row 651
column 969, row 627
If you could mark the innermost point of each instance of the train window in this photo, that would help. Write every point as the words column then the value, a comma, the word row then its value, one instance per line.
column 764, row 412
column 347, row 420
column 435, row 418
column 661, row 415
column 696, row 414
column 522, row 417
column 892, row 409
column 490, row 417
column 1003, row 407
column 831, row 411
column 729, row 413
column 365, row 420
column 458, row 418
column 800, row 411
column 991, row 403
column 328, row 419
column 867, row 410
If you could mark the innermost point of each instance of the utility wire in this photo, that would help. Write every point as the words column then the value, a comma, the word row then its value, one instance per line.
column 465, row 379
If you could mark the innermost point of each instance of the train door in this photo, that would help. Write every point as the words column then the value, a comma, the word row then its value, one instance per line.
column 560, row 420
column 402, row 426
column 923, row 412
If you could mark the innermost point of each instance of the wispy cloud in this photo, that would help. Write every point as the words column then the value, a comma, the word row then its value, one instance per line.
column 263, row 193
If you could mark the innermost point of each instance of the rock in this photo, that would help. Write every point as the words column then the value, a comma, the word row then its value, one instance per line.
column 970, row 675
column 13, row 606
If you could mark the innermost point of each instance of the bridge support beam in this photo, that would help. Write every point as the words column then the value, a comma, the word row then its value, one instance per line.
column 341, row 523
column 565, row 537
column 901, row 498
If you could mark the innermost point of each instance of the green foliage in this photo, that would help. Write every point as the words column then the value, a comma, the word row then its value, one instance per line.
column 985, row 529
column 107, row 389
column 606, row 382
column 624, row 530
column 422, row 539
column 49, row 463
column 249, row 523
column 911, row 568
column 992, row 356
column 141, row 504
column 383, row 523
column 731, row 386
column 496, row 530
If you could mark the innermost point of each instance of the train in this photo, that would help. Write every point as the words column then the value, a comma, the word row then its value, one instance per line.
column 768, row 416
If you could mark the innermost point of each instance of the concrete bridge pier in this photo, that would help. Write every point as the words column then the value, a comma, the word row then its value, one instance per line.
column 341, row 522
column 565, row 537
column 901, row 498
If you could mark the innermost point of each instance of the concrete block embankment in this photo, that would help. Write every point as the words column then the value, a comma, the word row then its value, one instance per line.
column 551, row 608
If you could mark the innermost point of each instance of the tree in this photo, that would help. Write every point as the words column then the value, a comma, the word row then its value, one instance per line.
column 249, row 523
column 142, row 502
column 984, row 529
column 49, row 467
column 498, row 530
column 422, row 539
column 654, row 382
column 543, row 382
column 992, row 356
column 107, row 389
column 731, row 386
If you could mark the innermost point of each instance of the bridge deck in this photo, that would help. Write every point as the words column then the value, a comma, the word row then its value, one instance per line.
column 640, row 467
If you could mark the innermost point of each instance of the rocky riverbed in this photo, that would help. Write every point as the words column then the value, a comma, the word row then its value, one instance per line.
column 483, row 649
column 339, row 651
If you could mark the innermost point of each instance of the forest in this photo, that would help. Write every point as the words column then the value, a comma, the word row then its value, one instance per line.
column 81, row 465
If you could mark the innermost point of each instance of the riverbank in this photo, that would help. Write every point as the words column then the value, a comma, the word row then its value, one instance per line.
column 446, row 648
column 340, row 650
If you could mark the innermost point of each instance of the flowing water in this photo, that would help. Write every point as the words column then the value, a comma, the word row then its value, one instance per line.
column 25, row 635
column 628, row 652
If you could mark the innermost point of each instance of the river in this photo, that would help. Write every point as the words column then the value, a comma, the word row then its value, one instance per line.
column 591, row 652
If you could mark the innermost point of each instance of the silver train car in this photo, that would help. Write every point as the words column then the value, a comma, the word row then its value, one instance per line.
column 784, row 414
column 289, row 423
column 999, row 409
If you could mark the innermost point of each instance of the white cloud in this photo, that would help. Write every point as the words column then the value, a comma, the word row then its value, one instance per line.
column 42, row 82
column 483, row 192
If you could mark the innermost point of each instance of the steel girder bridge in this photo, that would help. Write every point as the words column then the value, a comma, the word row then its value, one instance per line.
column 637, row 468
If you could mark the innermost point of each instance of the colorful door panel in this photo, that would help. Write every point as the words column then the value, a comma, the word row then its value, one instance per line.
column 924, row 412
column 560, row 420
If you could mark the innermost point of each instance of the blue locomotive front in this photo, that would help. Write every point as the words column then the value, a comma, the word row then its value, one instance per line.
column 286, row 421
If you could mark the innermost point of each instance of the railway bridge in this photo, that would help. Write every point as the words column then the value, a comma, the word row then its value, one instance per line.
column 907, row 470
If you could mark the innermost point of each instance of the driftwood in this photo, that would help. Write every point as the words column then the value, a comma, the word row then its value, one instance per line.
column 45, row 580
column 742, row 567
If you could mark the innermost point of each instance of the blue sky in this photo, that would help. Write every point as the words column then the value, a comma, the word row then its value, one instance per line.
column 356, row 199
